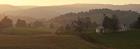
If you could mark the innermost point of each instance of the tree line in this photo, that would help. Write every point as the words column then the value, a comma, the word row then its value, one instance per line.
column 6, row 22
column 110, row 23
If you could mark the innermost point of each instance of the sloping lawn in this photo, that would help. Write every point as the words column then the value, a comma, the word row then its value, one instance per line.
column 122, row 40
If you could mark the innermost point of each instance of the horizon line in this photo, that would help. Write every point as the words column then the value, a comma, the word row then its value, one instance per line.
column 69, row 4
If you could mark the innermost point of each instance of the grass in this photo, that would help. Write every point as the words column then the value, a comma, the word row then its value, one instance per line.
column 122, row 40
column 25, row 31
column 43, row 42
column 39, row 38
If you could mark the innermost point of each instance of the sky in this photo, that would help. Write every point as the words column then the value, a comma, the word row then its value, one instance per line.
column 64, row 2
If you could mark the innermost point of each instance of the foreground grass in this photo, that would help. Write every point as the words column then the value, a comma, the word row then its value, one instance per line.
column 43, row 42
column 122, row 40
column 39, row 38
column 24, row 31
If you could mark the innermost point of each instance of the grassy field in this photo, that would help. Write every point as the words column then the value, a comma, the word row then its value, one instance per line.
column 24, row 31
column 122, row 40
column 43, row 42
column 29, row 38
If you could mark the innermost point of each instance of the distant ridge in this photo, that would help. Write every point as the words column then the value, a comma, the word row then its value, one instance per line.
column 96, row 15
column 48, row 12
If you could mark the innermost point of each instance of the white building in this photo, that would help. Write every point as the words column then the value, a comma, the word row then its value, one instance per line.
column 123, row 28
column 100, row 29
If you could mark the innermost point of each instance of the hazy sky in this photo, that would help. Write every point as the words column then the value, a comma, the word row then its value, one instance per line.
column 62, row 2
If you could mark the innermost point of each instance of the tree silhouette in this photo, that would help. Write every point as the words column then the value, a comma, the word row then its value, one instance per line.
column 81, row 24
column 38, row 24
column 21, row 23
column 107, row 22
column 6, row 22
column 115, row 23
column 136, row 24
column 111, row 23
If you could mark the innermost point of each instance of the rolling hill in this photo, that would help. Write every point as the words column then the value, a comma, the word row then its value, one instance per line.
column 48, row 12
column 4, row 8
column 31, row 13
column 96, row 15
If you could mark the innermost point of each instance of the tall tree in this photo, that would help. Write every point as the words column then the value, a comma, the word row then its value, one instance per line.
column 111, row 23
column 136, row 24
column 106, row 22
column 115, row 23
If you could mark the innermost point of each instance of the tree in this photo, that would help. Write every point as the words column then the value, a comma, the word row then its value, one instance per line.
column 38, row 24
column 136, row 24
column 106, row 22
column 67, row 29
column 81, row 27
column 81, row 24
column 111, row 23
column 115, row 23
column 21, row 23
column 6, row 22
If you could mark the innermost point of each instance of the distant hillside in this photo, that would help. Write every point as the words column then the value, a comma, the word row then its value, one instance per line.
column 9, row 8
column 48, row 12
column 4, row 8
column 125, row 17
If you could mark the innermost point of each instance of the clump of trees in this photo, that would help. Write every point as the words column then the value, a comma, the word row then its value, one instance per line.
column 82, row 24
column 9, row 23
column 37, row 24
column 21, row 23
column 6, row 22
column 81, row 27
column 78, row 26
column 111, row 23
column 136, row 25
